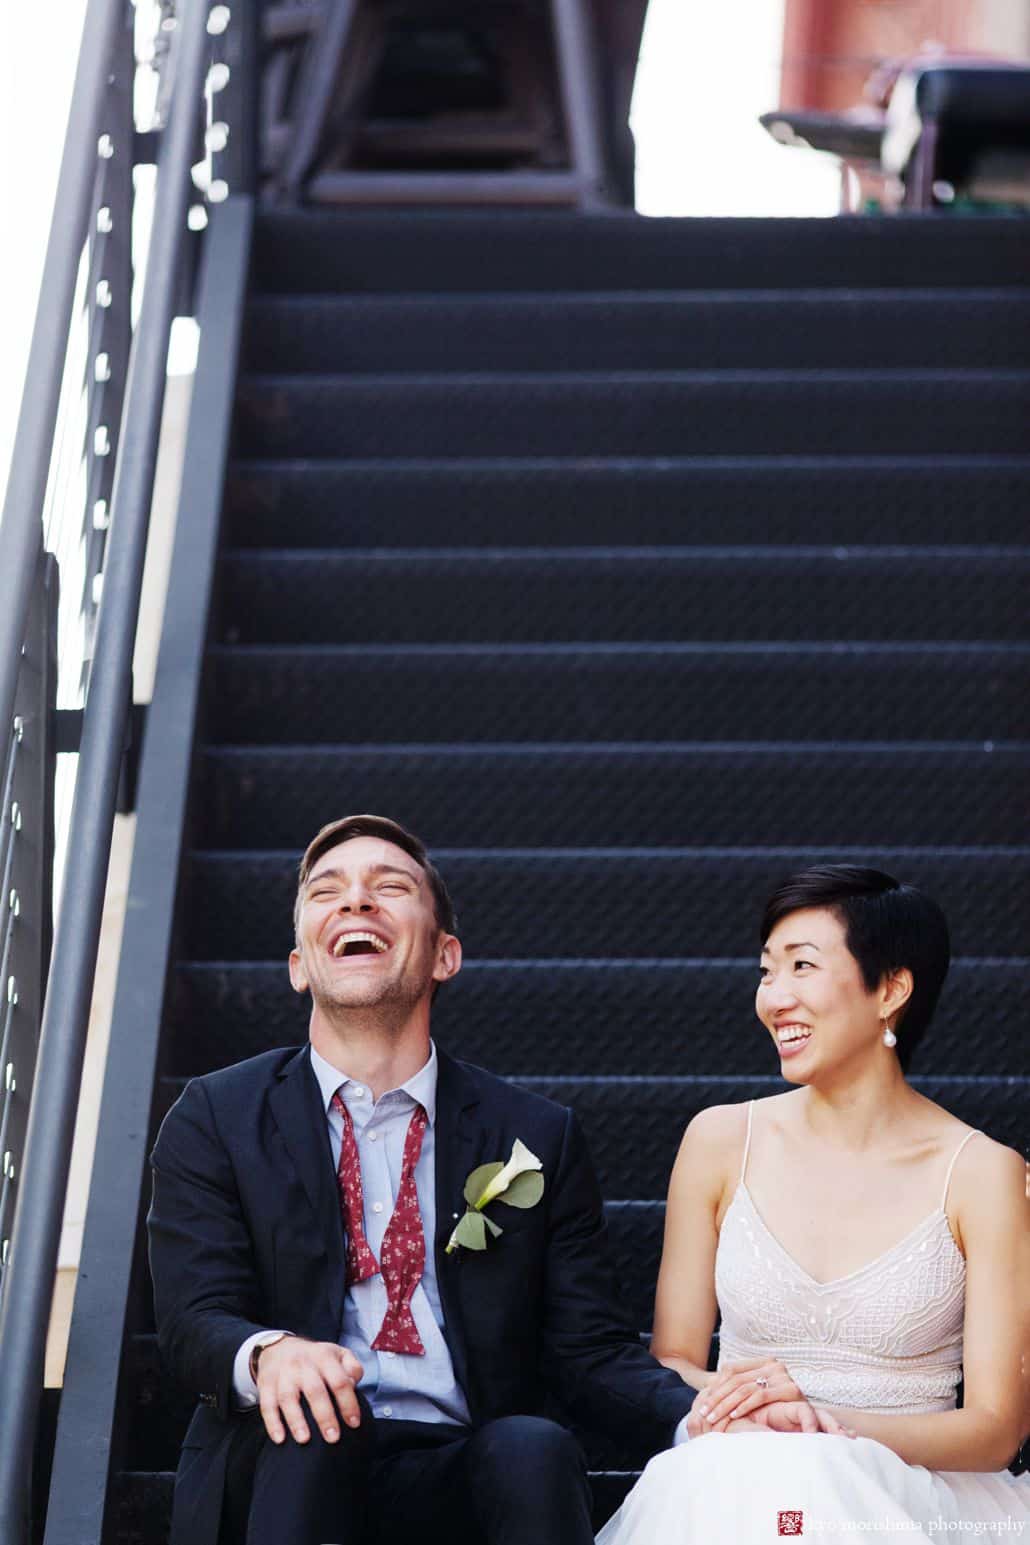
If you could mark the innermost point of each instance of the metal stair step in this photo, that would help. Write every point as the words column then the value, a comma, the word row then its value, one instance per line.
column 624, row 595
column 610, row 1016
column 644, row 795
column 620, row 692
column 693, row 329
column 635, row 413
column 627, row 500
column 512, row 903
column 468, row 251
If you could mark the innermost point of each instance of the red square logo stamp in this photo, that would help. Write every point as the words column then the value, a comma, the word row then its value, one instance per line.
column 789, row 1523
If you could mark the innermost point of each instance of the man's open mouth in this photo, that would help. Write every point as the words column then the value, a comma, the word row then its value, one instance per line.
column 358, row 943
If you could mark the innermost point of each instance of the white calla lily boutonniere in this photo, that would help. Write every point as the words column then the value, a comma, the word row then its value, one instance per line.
column 519, row 1183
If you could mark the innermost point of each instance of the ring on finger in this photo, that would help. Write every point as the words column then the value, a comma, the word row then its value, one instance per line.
column 762, row 1383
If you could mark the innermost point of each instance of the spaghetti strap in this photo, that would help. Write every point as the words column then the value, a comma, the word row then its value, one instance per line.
column 951, row 1166
column 747, row 1145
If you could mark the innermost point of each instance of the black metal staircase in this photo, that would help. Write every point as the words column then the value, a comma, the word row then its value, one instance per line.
column 632, row 563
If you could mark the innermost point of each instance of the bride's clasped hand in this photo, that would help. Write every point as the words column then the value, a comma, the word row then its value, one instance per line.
column 759, row 1395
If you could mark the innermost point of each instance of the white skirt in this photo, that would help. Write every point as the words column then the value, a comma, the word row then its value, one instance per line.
column 752, row 1488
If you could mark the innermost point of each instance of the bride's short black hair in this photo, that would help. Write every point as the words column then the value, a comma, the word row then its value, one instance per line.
column 887, row 925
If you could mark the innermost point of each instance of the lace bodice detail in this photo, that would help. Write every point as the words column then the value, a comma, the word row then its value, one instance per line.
column 887, row 1337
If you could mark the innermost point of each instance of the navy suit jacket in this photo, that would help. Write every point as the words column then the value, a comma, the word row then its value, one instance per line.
column 246, row 1234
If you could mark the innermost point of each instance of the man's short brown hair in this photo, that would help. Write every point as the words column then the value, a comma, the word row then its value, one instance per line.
column 350, row 826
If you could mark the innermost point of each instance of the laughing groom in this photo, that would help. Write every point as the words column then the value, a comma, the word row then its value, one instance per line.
column 374, row 1263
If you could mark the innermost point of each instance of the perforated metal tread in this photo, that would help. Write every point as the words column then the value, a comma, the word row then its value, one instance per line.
column 699, row 329
column 629, row 692
column 631, row 594
column 471, row 251
column 626, row 500
column 636, row 413
column 642, row 795
column 513, row 904
column 593, row 1015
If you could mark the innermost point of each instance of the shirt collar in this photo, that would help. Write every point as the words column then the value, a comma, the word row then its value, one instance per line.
column 421, row 1086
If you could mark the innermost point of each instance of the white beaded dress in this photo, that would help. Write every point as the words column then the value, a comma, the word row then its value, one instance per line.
column 885, row 1338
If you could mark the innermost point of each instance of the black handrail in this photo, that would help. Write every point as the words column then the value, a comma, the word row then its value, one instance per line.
column 25, row 1305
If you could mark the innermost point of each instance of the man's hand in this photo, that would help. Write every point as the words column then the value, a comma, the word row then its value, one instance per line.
column 323, row 1372
column 697, row 1427
column 800, row 1416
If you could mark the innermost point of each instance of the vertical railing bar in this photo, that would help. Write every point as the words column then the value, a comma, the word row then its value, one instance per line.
column 20, row 526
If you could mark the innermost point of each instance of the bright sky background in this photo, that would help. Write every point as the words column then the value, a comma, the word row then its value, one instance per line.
column 706, row 71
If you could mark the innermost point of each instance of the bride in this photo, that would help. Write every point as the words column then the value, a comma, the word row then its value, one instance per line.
column 865, row 1249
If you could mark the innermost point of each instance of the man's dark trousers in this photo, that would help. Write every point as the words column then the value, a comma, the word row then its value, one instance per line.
column 517, row 1480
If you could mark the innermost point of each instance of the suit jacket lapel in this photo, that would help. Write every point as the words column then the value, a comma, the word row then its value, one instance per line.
column 296, row 1106
column 461, row 1140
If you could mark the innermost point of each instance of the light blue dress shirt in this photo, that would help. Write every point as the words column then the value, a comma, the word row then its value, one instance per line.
column 395, row 1384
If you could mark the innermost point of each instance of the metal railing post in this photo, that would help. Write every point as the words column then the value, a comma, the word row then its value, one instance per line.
column 37, row 1224
column 26, row 868
column 21, row 532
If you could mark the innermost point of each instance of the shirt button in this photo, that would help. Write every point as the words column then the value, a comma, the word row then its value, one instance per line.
column 373, row 1136
column 388, row 1410
column 359, row 1091
column 377, row 1206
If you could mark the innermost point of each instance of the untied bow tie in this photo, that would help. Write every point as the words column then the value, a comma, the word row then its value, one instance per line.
column 403, row 1254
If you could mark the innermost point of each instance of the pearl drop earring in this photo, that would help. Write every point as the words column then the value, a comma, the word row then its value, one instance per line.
column 889, row 1038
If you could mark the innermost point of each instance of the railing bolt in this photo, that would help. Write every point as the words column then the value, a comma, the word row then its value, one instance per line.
column 12, row 991
column 14, row 902
column 216, row 137
column 16, row 816
column 105, row 147
column 218, row 20
column 19, row 728
column 9, row 1082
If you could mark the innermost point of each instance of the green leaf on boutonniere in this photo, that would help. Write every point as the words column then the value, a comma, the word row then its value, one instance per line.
column 479, row 1179
column 525, row 1190
column 470, row 1232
